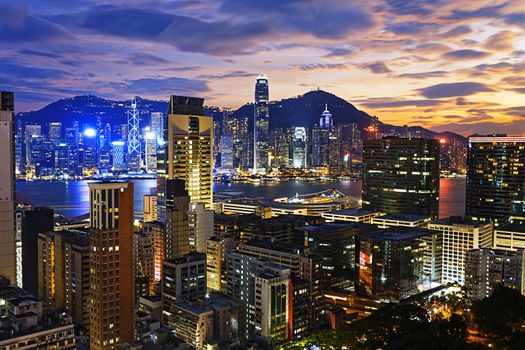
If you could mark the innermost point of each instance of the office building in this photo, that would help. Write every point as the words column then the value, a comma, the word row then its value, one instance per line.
column 183, row 278
column 151, row 152
column 200, row 226
column 76, row 279
column 150, row 207
column 193, row 324
column 157, row 125
column 261, row 121
column 216, row 249
column 263, row 290
column 7, row 186
column 300, row 147
column 145, row 261
column 227, row 150
column 401, row 176
column 487, row 267
column 119, row 154
column 112, row 288
column 55, row 132
column 177, row 206
column 352, row 215
column 38, row 220
column 335, row 243
column 189, row 151
column 460, row 234
column 157, row 231
column 282, row 228
column 511, row 236
column 397, row 263
column 400, row 220
column 495, row 172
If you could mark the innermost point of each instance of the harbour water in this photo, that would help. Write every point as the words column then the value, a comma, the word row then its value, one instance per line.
column 71, row 198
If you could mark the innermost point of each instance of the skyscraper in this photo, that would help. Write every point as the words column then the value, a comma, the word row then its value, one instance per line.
column 157, row 124
column 495, row 173
column 401, row 176
column 188, row 155
column 134, row 153
column 55, row 132
column 299, row 147
column 111, row 297
column 261, row 121
column 7, row 186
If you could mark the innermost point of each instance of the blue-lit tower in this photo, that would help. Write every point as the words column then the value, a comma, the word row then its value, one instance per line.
column 134, row 160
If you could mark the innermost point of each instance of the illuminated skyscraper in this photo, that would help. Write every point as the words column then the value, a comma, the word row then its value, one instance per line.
column 134, row 160
column 401, row 176
column 151, row 152
column 299, row 147
column 55, row 132
column 188, row 153
column 119, row 163
column 7, row 187
column 261, row 131
column 495, row 173
column 112, row 287
column 157, row 124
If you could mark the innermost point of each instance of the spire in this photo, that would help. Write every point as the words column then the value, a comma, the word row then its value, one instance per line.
column 326, row 106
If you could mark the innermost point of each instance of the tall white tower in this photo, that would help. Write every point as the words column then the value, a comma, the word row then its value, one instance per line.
column 134, row 160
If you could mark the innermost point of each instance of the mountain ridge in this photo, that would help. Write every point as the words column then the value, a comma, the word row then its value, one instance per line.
column 303, row 110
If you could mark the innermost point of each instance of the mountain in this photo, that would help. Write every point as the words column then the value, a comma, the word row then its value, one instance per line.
column 303, row 110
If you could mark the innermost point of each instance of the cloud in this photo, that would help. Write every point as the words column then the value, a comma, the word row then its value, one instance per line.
column 411, row 7
column 162, row 86
column 503, row 40
column 318, row 66
column 429, row 48
column 516, row 127
column 517, row 19
column 143, row 59
column 376, row 67
column 233, row 74
column 424, row 75
column 16, row 71
column 410, row 28
column 337, row 51
column 516, row 81
column 39, row 53
column 387, row 102
column 330, row 19
column 457, row 31
column 454, row 89
column 465, row 54
column 16, row 26
column 482, row 12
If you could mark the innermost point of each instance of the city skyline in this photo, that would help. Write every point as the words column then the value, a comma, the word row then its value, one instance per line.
column 443, row 65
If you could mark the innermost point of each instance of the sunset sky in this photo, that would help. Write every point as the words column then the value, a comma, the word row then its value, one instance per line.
column 453, row 65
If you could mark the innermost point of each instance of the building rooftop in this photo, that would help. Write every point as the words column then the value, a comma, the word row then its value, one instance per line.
column 191, row 307
column 401, row 217
column 512, row 228
column 398, row 233
column 352, row 212
column 459, row 220
column 333, row 227
column 187, row 258
column 280, row 246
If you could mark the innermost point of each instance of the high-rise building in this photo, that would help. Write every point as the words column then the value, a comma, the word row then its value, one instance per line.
column 151, row 152
column 30, row 131
column 55, row 132
column 261, row 122
column 119, row 160
column 183, row 278
column 398, row 262
column 263, row 289
column 111, row 297
column 176, row 233
column 460, row 234
column 157, row 125
column 216, row 249
column 300, row 143
column 134, row 153
column 150, row 207
column 511, row 236
column 227, row 150
column 401, row 176
column 38, row 220
column 487, row 267
column 495, row 172
column 7, row 187
column 188, row 153
column 156, row 230
column 144, row 252
column 200, row 226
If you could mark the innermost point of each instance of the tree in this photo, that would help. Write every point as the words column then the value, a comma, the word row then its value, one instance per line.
column 501, row 316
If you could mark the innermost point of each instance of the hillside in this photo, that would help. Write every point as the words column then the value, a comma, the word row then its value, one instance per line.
column 302, row 110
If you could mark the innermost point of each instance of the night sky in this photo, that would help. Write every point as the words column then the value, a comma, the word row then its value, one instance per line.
column 443, row 64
